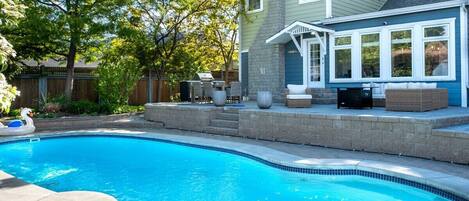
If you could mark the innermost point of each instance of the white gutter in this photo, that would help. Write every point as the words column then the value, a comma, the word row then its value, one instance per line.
column 398, row 11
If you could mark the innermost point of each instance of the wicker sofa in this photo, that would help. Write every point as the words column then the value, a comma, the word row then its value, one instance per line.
column 297, row 96
column 416, row 99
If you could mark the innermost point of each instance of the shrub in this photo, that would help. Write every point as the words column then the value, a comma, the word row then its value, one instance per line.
column 117, row 74
column 8, row 94
column 52, row 107
column 120, row 109
column 83, row 107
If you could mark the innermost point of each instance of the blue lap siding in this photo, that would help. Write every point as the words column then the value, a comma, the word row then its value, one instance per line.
column 294, row 62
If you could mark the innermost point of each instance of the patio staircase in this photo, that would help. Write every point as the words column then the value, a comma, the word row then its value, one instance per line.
column 224, row 123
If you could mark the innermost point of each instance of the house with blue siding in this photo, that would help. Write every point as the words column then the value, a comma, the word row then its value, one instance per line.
column 329, row 44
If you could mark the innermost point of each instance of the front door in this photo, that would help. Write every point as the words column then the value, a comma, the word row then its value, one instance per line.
column 314, row 65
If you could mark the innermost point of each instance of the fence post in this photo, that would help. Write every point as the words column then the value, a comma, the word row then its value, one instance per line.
column 149, row 88
column 42, row 90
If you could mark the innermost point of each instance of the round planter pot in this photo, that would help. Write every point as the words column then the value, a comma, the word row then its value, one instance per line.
column 219, row 98
column 264, row 99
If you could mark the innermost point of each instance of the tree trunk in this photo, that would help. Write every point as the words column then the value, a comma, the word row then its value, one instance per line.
column 160, row 89
column 70, row 70
column 227, row 72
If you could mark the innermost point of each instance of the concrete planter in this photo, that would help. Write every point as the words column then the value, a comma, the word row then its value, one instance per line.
column 264, row 99
column 219, row 98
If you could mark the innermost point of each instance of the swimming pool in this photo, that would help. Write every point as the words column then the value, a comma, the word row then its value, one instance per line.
column 147, row 170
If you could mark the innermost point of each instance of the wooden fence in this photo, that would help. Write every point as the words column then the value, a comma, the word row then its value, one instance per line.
column 85, row 89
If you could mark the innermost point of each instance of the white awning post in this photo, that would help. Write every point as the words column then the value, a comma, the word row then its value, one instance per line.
column 321, row 42
column 298, row 46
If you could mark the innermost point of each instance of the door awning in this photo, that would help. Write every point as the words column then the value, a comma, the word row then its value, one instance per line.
column 296, row 29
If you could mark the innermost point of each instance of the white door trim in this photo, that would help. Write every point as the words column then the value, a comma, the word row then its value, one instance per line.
column 306, row 44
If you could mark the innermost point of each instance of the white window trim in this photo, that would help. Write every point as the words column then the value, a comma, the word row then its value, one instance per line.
column 440, row 38
column 332, row 55
column 307, row 1
column 380, row 55
column 418, row 55
column 254, row 11
column 306, row 43
column 413, row 50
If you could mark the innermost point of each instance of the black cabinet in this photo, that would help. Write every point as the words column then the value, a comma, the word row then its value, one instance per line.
column 355, row 97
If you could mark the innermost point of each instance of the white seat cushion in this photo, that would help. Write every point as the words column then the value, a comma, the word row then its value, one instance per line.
column 396, row 86
column 429, row 85
column 414, row 85
column 296, row 89
column 300, row 97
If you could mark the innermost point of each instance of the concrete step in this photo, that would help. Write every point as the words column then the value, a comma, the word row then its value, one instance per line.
column 231, row 111
column 227, row 116
column 224, row 123
column 221, row 131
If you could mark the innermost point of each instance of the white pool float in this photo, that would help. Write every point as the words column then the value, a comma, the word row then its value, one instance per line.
column 27, row 128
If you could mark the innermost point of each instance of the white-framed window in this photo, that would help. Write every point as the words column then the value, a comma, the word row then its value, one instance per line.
column 343, row 57
column 306, row 1
column 419, row 51
column 436, row 50
column 253, row 6
column 370, row 55
column 401, row 53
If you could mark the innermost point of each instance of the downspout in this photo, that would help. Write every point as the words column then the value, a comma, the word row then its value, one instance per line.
column 464, row 54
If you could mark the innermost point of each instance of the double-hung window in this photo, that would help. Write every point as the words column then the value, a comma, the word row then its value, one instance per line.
column 254, row 5
column 436, row 40
column 343, row 57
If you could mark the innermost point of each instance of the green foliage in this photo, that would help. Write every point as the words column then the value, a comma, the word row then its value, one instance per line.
column 15, row 113
column 120, row 109
column 8, row 94
column 118, row 73
column 10, row 12
column 83, row 107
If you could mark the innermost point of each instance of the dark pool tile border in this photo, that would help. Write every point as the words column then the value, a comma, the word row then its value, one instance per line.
column 348, row 172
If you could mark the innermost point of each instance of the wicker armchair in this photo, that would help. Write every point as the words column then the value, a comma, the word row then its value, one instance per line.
column 297, row 96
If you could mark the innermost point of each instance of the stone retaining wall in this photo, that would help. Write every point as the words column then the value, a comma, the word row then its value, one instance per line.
column 403, row 136
column 391, row 135
column 86, row 122
column 180, row 117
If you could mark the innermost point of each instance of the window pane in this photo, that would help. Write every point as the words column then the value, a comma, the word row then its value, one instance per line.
column 343, row 41
column 315, row 63
column 436, row 58
column 436, row 31
column 254, row 4
column 401, row 47
column 370, row 55
column 343, row 63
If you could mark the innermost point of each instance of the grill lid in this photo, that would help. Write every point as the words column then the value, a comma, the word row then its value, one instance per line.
column 205, row 76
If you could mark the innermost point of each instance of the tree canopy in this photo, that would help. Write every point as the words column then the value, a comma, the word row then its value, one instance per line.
column 172, row 39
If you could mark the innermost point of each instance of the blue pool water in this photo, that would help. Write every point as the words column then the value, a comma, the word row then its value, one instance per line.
column 145, row 170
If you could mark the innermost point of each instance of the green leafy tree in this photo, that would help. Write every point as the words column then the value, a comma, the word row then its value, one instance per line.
column 159, row 28
column 10, row 12
column 118, row 73
column 66, row 30
column 221, row 32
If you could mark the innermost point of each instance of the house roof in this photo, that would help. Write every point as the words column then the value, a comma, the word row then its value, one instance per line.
column 393, row 4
